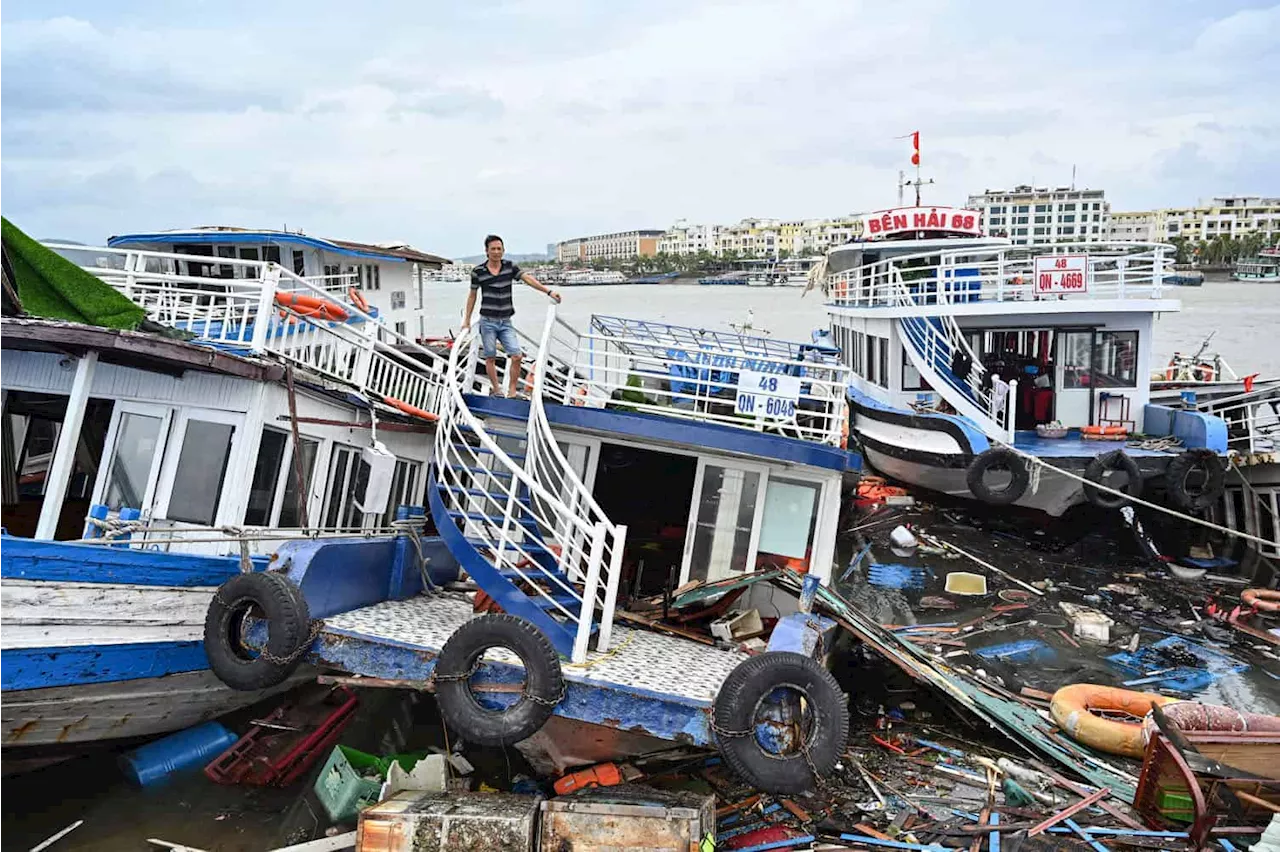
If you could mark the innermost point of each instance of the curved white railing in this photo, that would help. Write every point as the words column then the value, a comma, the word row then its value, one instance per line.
column 493, row 495
column 932, row 343
column 229, row 312
column 1004, row 273
column 546, row 462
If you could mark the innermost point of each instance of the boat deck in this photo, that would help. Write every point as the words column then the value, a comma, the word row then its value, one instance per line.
column 647, row 682
column 1073, row 447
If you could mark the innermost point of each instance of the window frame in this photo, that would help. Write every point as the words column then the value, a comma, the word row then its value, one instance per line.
column 173, row 455
column 123, row 407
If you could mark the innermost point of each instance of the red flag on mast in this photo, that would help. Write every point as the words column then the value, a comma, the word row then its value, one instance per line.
column 915, row 143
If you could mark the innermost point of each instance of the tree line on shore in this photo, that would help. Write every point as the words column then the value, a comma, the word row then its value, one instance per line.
column 1222, row 250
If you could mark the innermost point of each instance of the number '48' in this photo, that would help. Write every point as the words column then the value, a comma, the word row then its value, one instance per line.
column 769, row 383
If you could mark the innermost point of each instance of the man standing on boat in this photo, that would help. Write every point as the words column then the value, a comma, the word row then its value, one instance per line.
column 493, row 280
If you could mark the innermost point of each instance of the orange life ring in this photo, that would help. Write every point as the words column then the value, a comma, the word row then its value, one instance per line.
column 409, row 409
column 1073, row 708
column 1091, row 430
column 357, row 299
column 312, row 306
column 1263, row 600
column 1114, row 431
column 841, row 288
column 1203, row 372
column 1171, row 371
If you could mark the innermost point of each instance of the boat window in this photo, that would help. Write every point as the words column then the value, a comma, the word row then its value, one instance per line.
column 299, row 263
column 787, row 526
column 290, row 513
column 1075, row 351
column 226, row 270
column 353, row 517
column 266, row 476
column 137, row 438
column 341, row 475
column 722, row 529
column 911, row 378
column 202, row 467
column 397, row 300
column 404, row 488
column 1115, row 359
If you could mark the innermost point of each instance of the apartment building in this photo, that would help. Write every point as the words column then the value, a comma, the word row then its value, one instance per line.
column 616, row 246
column 762, row 237
column 1028, row 214
column 1222, row 216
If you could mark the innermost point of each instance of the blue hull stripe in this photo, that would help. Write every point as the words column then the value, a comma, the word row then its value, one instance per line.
column 36, row 668
column 25, row 559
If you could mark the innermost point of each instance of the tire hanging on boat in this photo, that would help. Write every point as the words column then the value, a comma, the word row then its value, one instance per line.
column 1098, row 469
column 824, row 727
column 544, row 682
column 1180, row 470
column 266, row 596
column 998, row 458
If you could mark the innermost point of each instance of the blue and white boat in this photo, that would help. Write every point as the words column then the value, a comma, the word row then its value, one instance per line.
column 648, row 456
column 144, row 470
column 985, row 369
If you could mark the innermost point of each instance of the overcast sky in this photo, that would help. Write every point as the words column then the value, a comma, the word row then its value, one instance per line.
column 435, row 123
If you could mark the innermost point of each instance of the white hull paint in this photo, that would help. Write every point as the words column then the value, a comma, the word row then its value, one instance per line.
column 90, row 712
column 58, row 614
column 1053, row 495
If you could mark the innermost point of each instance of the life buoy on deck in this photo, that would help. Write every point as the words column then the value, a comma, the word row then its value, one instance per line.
column 1075, row 710
column 312, row 306
column 1263, row 600
column 409, row 409
column 357, row 299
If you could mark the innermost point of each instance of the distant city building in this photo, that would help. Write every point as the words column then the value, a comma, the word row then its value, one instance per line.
column 618, row 246
column 1223, row 216
column 1028, row 214
column 762, row 237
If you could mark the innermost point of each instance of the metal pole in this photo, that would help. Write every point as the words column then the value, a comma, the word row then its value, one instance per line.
column 64, row 455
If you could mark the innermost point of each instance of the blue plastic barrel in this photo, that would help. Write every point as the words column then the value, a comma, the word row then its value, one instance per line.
column 153, row 762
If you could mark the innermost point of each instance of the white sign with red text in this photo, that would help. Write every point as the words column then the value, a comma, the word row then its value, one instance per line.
column 1061, row 273
column 905, row 220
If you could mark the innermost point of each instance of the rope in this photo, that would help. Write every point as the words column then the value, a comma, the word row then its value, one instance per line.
column 409, row 527
column 600, row 659
column 1193, row 519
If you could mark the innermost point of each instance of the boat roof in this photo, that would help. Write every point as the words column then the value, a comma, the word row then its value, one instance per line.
column 224, row 234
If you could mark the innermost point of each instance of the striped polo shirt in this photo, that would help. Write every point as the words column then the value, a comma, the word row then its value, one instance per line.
column 495, row 290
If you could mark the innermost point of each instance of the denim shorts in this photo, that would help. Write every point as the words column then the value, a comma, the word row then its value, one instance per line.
column 494, row 331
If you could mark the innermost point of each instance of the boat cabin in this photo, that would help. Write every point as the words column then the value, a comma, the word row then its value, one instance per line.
column 391, row 279
column 1065, row 329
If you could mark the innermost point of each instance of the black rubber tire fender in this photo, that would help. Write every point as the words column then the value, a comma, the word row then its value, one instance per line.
column 264, row 595
column 543, row 679
column 1175, row 478
column 998, row 457
column 735, row 708
column 1097, row 469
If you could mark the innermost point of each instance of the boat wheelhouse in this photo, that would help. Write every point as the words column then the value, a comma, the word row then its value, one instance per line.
column 1264, row 268
column 961, row 343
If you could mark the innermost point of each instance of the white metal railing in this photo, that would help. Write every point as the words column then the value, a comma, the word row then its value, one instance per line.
column 691, row 373
column 262, row 308
column 493, row 495
column 932, row 344
column 943, row 278
column 1253, row 420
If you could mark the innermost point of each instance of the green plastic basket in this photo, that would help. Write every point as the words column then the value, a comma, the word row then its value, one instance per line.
column 347, row 784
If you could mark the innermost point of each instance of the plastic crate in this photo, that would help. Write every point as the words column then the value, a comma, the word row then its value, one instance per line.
column 346, row 786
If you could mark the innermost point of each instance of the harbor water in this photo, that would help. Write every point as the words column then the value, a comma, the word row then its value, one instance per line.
column 1244, row 315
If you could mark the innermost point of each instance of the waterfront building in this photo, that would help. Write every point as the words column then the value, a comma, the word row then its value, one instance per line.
column 615, row 246
column 762, row 237
column 1028, row 214
column 1221, row 216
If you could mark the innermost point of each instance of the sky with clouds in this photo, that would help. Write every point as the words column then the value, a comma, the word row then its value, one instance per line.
column 434, row 123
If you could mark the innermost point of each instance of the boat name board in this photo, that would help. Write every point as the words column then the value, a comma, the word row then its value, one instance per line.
column 1062, row 273
column 728, row 362
column 885, row 223
column 769, row 394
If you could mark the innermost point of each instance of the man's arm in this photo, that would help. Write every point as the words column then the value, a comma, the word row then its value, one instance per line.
column 539, row 286
column 471, row 304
